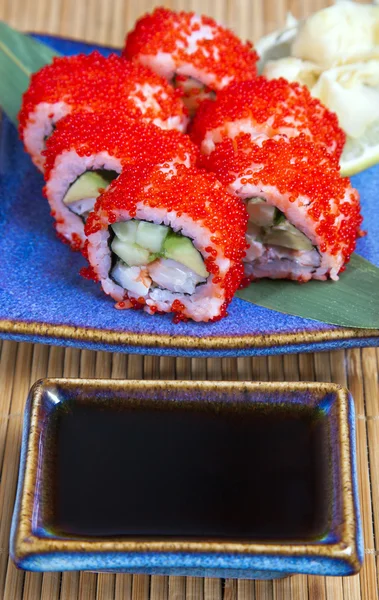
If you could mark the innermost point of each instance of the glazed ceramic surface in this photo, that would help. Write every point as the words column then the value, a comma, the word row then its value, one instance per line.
column 43, row 298
column 37, row 546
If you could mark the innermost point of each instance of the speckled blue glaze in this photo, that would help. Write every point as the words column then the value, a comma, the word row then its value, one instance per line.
column 39, row 279
column 210, row 564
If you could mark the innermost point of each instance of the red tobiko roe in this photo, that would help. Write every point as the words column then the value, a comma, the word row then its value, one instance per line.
column 223, row 55
column 297, row 167
column 118, row 135
column 191, row 192
column 94, row 82
column 277, row 105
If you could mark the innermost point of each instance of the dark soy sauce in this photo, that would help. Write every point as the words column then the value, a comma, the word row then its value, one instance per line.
column 225, row 471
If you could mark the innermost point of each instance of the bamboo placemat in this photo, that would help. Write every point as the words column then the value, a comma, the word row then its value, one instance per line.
column 106, row 21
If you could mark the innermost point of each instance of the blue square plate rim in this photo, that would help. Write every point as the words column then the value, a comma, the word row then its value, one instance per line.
column 248, row 330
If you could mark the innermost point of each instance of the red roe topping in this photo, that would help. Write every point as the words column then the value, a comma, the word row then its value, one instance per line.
column 89, row 273
column 273, row 106
column 91, row 133
column 302, row 171
column 94, row 82
column 190, row 192
column 195, row 40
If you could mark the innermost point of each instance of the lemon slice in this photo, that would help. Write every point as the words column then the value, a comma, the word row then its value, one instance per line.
column 361, row 153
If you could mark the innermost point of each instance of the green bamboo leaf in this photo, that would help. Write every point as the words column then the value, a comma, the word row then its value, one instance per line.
column 352, row 301
column 20, row 56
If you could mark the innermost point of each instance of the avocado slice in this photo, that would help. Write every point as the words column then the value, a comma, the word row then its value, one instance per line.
column 132, row 254
column 88, row 185
column 179, row 248
column 286, row 235
column 126, row 231
column 260, row 212
column 151, row 236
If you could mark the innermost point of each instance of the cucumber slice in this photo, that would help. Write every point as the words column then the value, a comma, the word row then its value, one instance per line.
column 260, row 212
column 151, row 236
column 287, row 236
column 88, row 185
column 126, row 231
column 131, row 254
column 179, row 248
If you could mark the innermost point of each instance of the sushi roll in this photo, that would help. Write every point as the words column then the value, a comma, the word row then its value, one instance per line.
column 88, row 150
column 267, row 108
column 94, row 83
column 168, row 239
column 304, row 218
column 194, row 53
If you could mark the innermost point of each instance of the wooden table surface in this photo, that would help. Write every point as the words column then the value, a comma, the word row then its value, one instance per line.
column 106, row 21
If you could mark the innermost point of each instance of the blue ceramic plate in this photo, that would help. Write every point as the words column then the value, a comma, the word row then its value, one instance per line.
column 43, row 299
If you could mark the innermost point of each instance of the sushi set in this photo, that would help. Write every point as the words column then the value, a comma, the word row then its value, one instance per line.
column 226, row 178
column 182, row 178
column 268, row 142
column 177, row 177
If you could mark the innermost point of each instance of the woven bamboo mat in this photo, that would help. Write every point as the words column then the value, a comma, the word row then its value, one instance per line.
column 106, row 21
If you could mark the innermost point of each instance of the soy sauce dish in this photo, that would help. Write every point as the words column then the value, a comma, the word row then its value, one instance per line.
column 248, row 480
